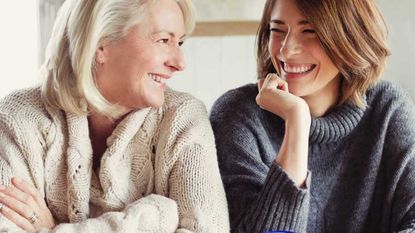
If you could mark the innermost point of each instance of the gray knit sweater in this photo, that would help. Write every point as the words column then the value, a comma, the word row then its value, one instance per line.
column 361, row 166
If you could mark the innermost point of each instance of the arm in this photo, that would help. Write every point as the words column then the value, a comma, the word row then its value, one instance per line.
column 274, row 97
column 153, row 213
column 13, row 164
column 260, row 198
column 261, row 195
column 399, row 150
column 194, row 181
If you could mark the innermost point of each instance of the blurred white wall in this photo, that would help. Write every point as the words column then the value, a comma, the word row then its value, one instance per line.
column 19, row 44
column 214, row 64
column 400, row 17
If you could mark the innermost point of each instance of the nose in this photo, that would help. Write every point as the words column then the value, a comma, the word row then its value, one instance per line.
column 176, row 60
column 291, row 46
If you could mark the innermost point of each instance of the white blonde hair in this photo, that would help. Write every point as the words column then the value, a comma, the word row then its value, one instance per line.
column 81, row 26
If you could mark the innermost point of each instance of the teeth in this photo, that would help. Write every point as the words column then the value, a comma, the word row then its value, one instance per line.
column 155, row 78
column 298, row 69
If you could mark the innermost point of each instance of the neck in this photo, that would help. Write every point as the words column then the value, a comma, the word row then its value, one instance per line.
column 322, row 101
column 100, row 128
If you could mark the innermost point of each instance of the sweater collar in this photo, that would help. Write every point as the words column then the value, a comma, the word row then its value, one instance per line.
column 337, row 124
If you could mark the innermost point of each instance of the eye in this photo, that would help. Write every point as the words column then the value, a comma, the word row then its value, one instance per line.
column 181, row 43
column 309, row 31
column 276, row 30
column 164, row 41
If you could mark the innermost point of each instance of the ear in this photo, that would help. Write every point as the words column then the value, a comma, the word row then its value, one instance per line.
column 100, row 55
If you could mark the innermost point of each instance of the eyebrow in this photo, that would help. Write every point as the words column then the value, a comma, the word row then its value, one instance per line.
column 170, row 33
column 302, row 22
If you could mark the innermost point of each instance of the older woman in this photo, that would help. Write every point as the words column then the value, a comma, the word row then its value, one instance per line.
column 319, row 145
column 103, row 145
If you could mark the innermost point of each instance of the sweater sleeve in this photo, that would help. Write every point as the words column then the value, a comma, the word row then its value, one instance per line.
column 153, row 213
column 20, row 156
column 194, row 181
column 399, row 150
column 261, row 196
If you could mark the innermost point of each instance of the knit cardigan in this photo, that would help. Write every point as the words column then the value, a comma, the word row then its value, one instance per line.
column 361, row 165
column 159, row 172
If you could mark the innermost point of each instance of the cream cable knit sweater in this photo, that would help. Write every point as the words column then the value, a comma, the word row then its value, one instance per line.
column 159, row 173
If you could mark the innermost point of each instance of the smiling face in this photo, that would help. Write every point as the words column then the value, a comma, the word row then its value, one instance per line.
column 133, row 71
column 297, row 54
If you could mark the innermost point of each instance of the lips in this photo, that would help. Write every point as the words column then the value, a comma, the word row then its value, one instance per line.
column 297, row 68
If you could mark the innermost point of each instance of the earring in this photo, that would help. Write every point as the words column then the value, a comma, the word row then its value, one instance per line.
column 100, row 61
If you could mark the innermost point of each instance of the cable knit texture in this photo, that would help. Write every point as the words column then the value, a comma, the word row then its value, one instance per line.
column 361, row 166
column 158, row 174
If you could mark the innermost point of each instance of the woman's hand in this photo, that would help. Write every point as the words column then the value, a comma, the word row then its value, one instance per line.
column 24, row 206
column 274, row 96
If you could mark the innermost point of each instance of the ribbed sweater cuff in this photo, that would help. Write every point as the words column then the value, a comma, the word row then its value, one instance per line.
column 281, row 204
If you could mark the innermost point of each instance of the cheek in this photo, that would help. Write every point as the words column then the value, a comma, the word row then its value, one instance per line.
column 320, row 54
column 273, row 46
column 326, row 64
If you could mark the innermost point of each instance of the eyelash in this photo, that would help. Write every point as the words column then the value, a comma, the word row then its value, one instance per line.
column 281, row 31
column 309, row 31
column 165, row 41
column 276, row 30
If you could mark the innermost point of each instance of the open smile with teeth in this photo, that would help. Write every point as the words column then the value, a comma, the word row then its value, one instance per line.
column 156, row 78
column 297, row 68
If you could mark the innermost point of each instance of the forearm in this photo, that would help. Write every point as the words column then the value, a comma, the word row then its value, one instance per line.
column 280, row 205
column 153, row 213
column 293, row 155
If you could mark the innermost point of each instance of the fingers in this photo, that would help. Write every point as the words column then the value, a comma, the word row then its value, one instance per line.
column 15, row 217
column 25, row 206
column 28, row 189
column 272, row 81
column 8, row 198
column 22, row 197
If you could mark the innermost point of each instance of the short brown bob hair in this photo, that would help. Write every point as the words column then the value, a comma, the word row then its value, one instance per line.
column 353, row 34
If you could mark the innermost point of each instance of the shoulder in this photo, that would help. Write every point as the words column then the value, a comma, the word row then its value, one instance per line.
column 394, row 111
column 390, row 102
column 20, row 100
column 183, row 112
column 236, row 102
column 387, row 94
column 24, row 119
column 184, row 123
column 24, row 105
column 178, row 101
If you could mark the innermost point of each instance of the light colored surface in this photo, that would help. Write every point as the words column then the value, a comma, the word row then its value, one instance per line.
column 231, row 10
column 47, row 10
column 215, row 65
column 19, row 44
column 400, row 17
